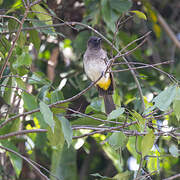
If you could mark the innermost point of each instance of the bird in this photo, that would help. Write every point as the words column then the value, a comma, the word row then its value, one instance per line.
column 95, row 62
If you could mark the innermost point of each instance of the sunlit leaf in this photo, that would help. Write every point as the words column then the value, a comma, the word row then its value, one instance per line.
column 147, row 143
column 42, row 14
column 141, row 121
column 140, row 14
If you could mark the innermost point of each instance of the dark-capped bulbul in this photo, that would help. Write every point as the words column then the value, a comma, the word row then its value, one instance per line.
column 95, row 63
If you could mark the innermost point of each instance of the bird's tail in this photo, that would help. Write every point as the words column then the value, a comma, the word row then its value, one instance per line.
column 108, row 103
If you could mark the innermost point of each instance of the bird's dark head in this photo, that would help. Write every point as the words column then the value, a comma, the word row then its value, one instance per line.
column 94, row 42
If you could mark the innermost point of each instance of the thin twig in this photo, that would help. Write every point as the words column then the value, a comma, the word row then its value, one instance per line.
column 89, row 116
column 51, row 105
column 27, row 160
column 22, row 132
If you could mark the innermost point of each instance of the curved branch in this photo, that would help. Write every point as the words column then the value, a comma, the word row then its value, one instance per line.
column 27, row 160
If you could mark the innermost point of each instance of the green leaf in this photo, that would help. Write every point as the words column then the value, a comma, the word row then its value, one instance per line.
column 123, row 176
column 176, row 104
column 118, row 140
column 109, row 16
column 131, row 146
column 42, row 14
column 48, row 30
column 8, row 91
column 165, row 98
column 20, row 83
column 114, row 156
column 67, row 130
column 35, row 39
column 174, row 150
column 176, row 108
column 79, row 44
column 4, row 45
column 140, row 14
column 24, row 59
column 39, row 78
column 12, row 24
column 116, row 113
column 64, row 163
column 15, row 160
column 56, row 138
column 56, row 95
column 95, row 105
column 30, row 102
column 89, row 121
column 141, row 121
column 120, row 5
column 43, row 91
column 103, row 177
column 47, row 114
column 147, row 143
column 22, row 39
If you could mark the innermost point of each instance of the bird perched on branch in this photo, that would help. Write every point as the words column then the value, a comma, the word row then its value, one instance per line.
column 95, row 64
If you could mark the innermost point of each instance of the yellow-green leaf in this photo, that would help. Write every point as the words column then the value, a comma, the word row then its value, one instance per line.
column 42, row 14
column 139, row 14
column 147, row 143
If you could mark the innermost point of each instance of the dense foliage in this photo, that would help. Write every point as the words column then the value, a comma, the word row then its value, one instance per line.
column 52, row 122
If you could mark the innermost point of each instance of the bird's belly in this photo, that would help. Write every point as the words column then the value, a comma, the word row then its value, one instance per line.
column 94, row 69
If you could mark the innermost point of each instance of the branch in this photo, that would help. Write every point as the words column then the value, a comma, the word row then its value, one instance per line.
column 89, row 116
column 51, row 105
column 168, row 30
column 14, row 41
column 27, row 160
column 173, row 79
column 11, row 17
column 35, row 2
column 121, row 128
column 22, row 132
column 173, row 177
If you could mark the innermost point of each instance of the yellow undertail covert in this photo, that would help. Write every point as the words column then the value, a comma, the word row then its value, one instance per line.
column 104, row 83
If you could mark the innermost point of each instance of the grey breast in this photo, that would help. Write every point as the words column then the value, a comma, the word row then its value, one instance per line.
column 94, row 63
